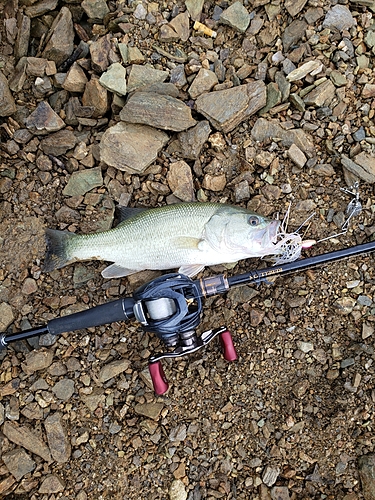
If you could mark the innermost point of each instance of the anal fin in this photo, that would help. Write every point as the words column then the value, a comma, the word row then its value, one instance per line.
column 116, row 271
column 191, row 270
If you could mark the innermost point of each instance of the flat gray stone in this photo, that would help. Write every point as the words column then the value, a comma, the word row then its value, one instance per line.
column 59, row 44
column 41, row 8
column 58, row 143
column 194, row 8
column 149, row 410
column 191, row 141
column 264, row 129
column 6, row 316
column 322, row 95
column 99, row 52
column 203, row 82
column 7, row 102
column 339, row 17
column 293, row 34
column 114, row 79
column 64, row 389
column 95, row 9
column 43, row 120
column 157, row 110
column 23, row 436
column 363, row 166
column 236, row 16
column 83, row 181
column 130, row 147
column 37, row 360
column 57, row 437
column 113, row 369
column 18, row 462
column 180, row 181
column 95, row 96
column 225, row 109
column 142, row 75
column 52, row 484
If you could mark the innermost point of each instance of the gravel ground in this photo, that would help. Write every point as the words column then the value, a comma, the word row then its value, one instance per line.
column 292, row 418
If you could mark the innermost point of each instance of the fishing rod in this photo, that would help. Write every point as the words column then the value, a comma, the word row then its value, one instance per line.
column 171, row 307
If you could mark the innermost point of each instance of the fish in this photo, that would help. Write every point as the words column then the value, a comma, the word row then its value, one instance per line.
column 187, row 236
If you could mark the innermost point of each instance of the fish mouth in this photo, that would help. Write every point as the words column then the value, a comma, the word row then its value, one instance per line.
column 273, row 231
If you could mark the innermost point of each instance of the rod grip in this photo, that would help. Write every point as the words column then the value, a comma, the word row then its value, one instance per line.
column 117, row 310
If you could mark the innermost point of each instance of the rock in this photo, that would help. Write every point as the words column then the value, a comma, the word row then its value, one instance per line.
column 29, row 286
column 96, row 97
column 293, row 34
column 194, row 8
column 368, row 90
column 140, row 76
column 225, row 109
column 180, row 24
column 214, row 182
column 75, row 80
column 41, row 8
column 52, row 484
column 83, row 181
column 322, row 95
column 280, row 493
column 366, row 468
column 156, row 110
column 64, row 389
column 99, row 52
column 269, row 129
column 236, row 16
column 203, row 82
column 59, row 42
column 270, row 475
column 339, row 17
column 177, row 490
column 149, row 410
column 6, row 316
column 18, row 462
column 37, row 360
column 22, row 436
column 114, row 79
column 131, row 148
column 297, row 156
column 242, row 191
column 304, row 70
column 44, row 120
column 113, row 369
column 93, row 400
column 294, row 7
column 57, row 437
column 180, row 181
column 273, row 98
column 95, row 9
column 192, row 141
column 363, row 166
column 58, row 143
column 7, row 103
column 344, row 305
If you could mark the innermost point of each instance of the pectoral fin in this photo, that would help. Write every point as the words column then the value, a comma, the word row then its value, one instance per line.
column 191, row 270
column 116, row 271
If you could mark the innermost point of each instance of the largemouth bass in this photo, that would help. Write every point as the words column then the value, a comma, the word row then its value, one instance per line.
column 188, row 236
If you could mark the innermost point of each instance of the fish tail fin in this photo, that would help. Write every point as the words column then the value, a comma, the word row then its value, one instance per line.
column 57, row 255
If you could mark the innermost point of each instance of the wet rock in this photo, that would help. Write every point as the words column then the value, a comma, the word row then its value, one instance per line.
column 58, row 143
column 203, row 82
column 192, row 141
column 293, row 33
column 225, row 109
column 339, row 17
column 37, row 360
column 131, row 148
column 236, row 16
column 95, row 96
column 180, row 181
column 83, row 181
column 269, row 129
column 140, row 76
column 64, row 389
column 59, row 42
column 57, row 437
column 95, row 9
column 149, row 410
column 52, row 484
column 114, row 79
column 177, row 490
column 6, row 316
column 159, row 111
column 194, row 8
column 113, row 369
column 363, row 166
column 75, row 80
column 322, row 95
column 23, row 436
column 18, row 462
column 44, row 120
column 366, row 468
column 7, row 103
column 99, row 52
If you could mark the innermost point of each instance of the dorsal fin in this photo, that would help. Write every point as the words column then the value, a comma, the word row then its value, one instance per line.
column 125, row 213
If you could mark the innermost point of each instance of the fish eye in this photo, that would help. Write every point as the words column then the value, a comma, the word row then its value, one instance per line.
column 253, row 220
